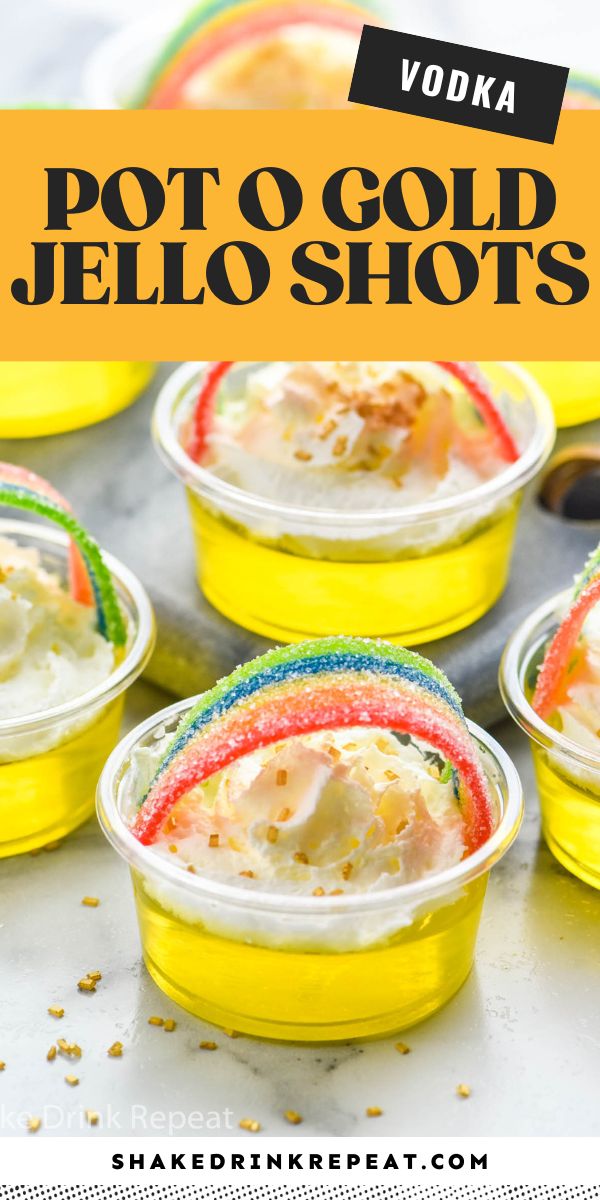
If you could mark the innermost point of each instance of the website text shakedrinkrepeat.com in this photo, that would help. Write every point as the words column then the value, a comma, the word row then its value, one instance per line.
column 304, row 1160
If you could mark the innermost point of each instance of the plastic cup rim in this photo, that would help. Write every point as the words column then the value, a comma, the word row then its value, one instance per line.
column 138, row 856
column 204, row 483
column 515, row 661
column 124, row 673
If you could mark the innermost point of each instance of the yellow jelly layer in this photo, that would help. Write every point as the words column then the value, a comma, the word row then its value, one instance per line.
column 290, row 597
column 570, row 818
column 44, row 797
column 321, row 996
column 39, row 398
column 573, row 387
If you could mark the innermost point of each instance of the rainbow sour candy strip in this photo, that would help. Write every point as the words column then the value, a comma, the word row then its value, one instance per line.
column 465, row 373
column 214, row 26
column 331, row 683
column 560, row 650
column 25, row 490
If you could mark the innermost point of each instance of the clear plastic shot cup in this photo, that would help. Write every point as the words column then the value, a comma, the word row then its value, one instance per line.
column 42, row 398
column 409, row 575
column 573, row 388
column 568, row 775
column 298, row 968
column 50, row 761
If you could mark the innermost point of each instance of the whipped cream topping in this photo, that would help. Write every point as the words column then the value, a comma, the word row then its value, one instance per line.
column 50, row 650
column 349, row 434
column 342, row 812
column 299, row 66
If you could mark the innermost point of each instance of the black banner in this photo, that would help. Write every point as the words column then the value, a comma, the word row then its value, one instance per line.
column 481, row 88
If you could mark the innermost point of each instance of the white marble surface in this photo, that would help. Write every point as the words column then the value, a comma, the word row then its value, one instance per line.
column 524, row 1032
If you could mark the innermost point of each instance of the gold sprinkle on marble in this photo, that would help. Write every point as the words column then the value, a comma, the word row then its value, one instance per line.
column 292, row 1117
column 250, row 1125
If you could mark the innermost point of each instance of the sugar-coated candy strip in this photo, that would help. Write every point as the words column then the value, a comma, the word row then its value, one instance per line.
column 465, row 373
column 45, row 502
column 472, row 379
column 305, row 660
column 560, row 650
column 201, row 423
column 79, row 583
column 214, row 26
column 290, row 706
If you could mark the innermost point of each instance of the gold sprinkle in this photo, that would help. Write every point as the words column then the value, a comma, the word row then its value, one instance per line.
column 171, row 822
column 156, row 1020
column 213, row 841
column 248, row 1124
column 391, row 775
column 350, row 746
column 95, row 976
column 87, row 985
column 346, row 870
column 170, row 1025
column 292, row 1117
column 281, row 778
column 374, row 1111
column 231, row 1033
column 207, row 1045
column 56, row 1011
column 272, row 834
column 51, row 1055
column 402, row 1048
column 191, row 869
column 172, row 848
column 401, row 826
column 339, row 446
column 91, row 1117
column 328, row 428
column 71, row 1049
column 34, row 1123
column 72, row 1080
column 319, row 891
column 248, row 874
column 463, row 1090
column 303, row 455
column 334, row 753
column 284, row 815
column 3, row 1064
column 116, row 1050
column 90, row 901
column 301, row 857
column 337, row 892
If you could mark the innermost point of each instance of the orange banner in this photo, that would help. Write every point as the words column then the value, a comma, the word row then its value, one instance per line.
column 243, row 235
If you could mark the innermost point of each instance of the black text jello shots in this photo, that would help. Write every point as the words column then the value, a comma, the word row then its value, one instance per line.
column 550, row 680
column 76, row 628
column 310, row 841
column 364, row 498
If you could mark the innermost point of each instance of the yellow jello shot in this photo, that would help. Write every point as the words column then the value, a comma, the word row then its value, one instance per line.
column 573, row 388
column 310, row 841
column 64, row 666
column 550, row 682
column 42, row 398
column 371, row 499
